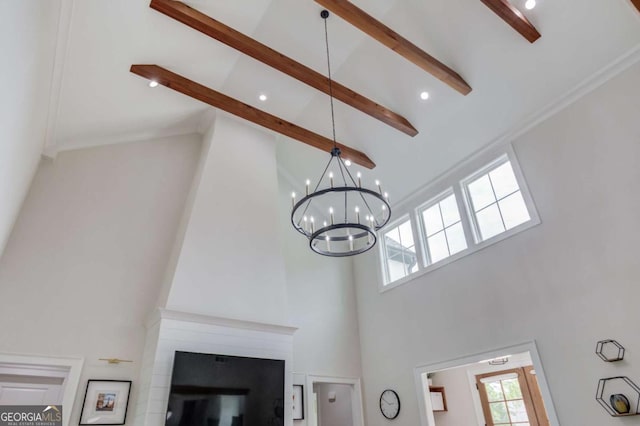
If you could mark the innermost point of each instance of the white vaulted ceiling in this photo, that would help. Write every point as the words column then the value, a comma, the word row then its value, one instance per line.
column 100, row 101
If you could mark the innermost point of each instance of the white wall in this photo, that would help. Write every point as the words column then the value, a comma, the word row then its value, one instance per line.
column 566, row 283
column 231, row 260
column 83, row 266
column 461, row 411
column 322, row 303
column 338, row 412
column 27, row 42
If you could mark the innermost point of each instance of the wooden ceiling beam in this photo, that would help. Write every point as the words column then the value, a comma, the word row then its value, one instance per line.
column 636, row 3
column 394, row 41
column 232, row 38
column 218, row 100
column 512, row 16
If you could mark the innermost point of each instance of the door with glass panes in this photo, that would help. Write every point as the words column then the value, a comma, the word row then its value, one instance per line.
column 511, row 397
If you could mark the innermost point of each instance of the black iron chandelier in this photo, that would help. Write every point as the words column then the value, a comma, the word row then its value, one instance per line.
column 339, row 217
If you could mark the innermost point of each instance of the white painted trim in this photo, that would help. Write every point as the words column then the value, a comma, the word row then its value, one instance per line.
column 33, row 370
column 531, row 347
column 356, row 396
column 474, row 370
column 588, row 85
column 99, row 141
column 74, row 366
column 456, row 181
column 508, row 156
column 61, row 54
column 167, row 314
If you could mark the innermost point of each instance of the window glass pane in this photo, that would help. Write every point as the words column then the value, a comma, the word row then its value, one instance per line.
column 411, row 261
column 481, row 193
column 514, row 210
column 396, row 269
column 400, row 252
column 499, row 412
column 517, row 411
column 450, row 212
column 406, row 235
column 438, row 247
column 432, row 220
column 489, row 222
column 503, row 180
column 494, row 391
column 393, row 234
column 392, row 254
column 512, row 389
column 455, row 237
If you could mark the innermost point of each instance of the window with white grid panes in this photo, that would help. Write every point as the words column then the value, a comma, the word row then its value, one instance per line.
column 399, row 251
column 496, row 201
column 443, row 232
column 478, row 209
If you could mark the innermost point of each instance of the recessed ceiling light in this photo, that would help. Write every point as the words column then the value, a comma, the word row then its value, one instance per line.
column 153, row 83
column 530, row 4
column 347, row 162
column 262, row 97
column 424, row 96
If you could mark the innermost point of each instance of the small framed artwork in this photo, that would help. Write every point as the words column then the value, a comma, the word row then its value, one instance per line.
column 105, row 402
column 298, row 402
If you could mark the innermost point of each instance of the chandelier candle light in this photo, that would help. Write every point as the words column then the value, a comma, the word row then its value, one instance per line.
column 338, row 201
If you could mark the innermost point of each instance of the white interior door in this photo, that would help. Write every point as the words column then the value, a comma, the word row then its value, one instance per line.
column 30, row 390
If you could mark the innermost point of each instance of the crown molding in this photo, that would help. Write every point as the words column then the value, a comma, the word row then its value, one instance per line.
column 139, row 136
column 57, row 76
column 588, row 85
column 168, row 314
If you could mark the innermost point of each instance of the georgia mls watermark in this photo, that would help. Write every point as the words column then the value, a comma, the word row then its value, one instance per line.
column 30, row 415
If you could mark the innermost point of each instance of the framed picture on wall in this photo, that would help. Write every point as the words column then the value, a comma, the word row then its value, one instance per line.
column 105, row 402
column 298, row 402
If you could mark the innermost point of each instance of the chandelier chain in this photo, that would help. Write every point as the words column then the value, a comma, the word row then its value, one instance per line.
column 333, row 117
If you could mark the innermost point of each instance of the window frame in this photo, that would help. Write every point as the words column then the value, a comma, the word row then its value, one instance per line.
column 534, row 219
column 454, row 182
column 383, row 248
column 424, row 238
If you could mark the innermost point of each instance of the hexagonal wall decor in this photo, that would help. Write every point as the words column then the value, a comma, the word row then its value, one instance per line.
column 619, row 396
column 610, row 350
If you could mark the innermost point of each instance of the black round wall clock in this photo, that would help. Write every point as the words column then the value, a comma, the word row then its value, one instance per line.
column 389, row 404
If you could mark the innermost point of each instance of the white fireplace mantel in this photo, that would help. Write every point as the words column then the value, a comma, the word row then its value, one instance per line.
column 170, row 331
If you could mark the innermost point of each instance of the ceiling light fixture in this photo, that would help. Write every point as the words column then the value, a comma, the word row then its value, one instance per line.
column 348, row 214
column 530, row 4
column 424, row 96
column 262, row 97
column 153, row 83
column 347, row 163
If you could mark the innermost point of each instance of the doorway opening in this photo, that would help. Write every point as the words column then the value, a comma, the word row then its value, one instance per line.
column 334, row 401
column 34, row 380
column 505, row 387
column 511, row 397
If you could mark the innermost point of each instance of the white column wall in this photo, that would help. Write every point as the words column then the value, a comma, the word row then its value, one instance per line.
column 231, row 261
